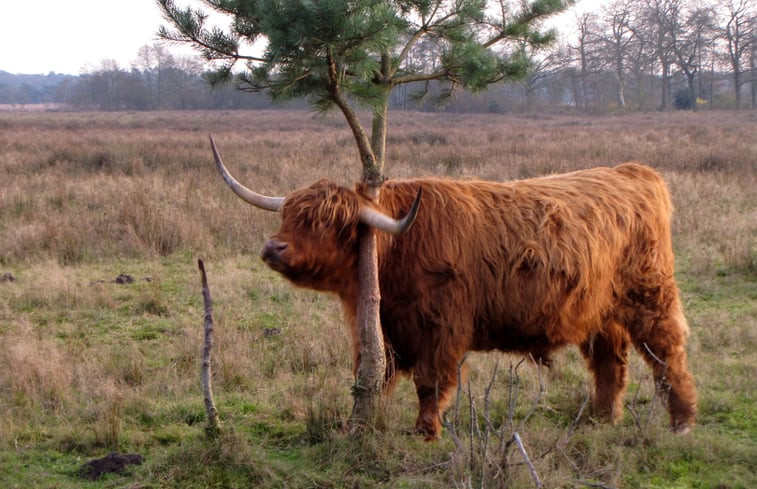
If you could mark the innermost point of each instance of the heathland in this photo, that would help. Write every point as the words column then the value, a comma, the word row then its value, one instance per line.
column 91, row 366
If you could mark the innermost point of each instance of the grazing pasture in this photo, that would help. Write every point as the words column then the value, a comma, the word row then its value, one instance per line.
column 92, row 365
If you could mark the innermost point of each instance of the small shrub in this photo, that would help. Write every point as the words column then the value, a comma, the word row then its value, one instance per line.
column 682, row 100
column 152, row 300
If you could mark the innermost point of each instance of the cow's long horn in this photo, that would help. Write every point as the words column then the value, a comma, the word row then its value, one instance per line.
column 254, row 198
column 381, row 221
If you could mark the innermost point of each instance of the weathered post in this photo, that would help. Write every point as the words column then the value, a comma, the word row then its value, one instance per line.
column 213, row 426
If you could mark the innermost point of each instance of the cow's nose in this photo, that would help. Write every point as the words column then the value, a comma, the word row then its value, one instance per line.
column 272, row 250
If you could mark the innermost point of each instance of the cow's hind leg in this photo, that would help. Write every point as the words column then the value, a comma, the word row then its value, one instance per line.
column 660, row 337
column 607, row 356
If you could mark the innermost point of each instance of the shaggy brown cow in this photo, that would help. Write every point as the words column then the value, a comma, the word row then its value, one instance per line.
column 583, row 258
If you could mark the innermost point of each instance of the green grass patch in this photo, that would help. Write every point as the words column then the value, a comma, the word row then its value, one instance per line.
column 133, row 385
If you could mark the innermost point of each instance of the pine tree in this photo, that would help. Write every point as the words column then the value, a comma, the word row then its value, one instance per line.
column 350, row 54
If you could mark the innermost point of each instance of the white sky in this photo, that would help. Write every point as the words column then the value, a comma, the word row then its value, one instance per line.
column 72, row 36
column 66, row 36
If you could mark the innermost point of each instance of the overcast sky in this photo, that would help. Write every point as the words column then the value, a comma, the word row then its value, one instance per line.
column 72, row 36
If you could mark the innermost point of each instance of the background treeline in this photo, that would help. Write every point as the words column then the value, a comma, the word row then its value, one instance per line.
column 629, row 55
column 157, row 80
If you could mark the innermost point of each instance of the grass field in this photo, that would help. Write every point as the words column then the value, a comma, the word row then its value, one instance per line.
column 90, row 366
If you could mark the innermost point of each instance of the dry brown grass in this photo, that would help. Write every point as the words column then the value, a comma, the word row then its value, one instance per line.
column 83, row 187
column 95, row 365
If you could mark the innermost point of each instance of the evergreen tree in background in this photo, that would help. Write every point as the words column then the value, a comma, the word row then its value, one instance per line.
column 350, row 54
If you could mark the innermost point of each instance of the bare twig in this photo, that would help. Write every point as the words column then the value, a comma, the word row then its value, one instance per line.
column 576, row 420
column 569, row 460
column 473, row 430
column 459, row 387
column 662, row 389
column 214, row 425
column 651, row 353
column 452, row 426
column 512, row 398
column 538, row 398
column 489, row 427
column 487, row 398
column 631, row 406
column 562, row 441
column 523, row 452
column 643, row 416
column 512, row 394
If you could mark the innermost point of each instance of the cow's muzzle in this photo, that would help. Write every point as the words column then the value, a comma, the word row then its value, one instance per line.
column 272, row 253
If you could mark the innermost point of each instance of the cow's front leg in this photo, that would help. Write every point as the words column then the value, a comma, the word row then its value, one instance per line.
column 435, row 390
column 607, row 356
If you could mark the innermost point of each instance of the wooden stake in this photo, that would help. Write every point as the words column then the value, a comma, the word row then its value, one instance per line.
column 214, row 425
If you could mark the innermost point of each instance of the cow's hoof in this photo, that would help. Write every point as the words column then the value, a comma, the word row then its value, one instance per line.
column 682, row 429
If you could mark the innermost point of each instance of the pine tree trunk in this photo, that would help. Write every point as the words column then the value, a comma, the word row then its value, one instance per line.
column 370, row 373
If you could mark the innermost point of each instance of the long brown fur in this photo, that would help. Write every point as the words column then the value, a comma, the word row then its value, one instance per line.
column 529, row 266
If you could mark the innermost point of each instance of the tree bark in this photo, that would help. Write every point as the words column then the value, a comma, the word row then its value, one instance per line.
column 371, row 370
column 737, row 85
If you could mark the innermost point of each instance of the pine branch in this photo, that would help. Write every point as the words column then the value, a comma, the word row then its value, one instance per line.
column 214, row 44
column 370, row 172
column 419, row 77
column 427, row 26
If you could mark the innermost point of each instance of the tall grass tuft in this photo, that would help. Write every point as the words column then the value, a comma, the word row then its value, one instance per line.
column 36, row 377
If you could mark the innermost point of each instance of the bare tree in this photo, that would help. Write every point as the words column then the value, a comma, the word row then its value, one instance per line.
column 542, row 69
column 689, row 31
column 646, row 42
column 657, row 15
column 641, row 55
column 618, row 39
column 146, row 58
column 154, row 61
column 738, row 32
column 586, row 55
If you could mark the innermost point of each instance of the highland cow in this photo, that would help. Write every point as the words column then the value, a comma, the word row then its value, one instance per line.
column 529, row 266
